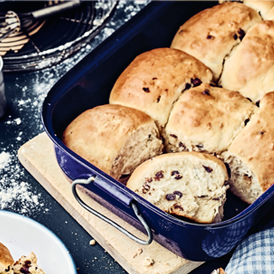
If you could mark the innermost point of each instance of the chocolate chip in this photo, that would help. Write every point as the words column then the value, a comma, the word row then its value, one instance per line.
column 178, row 177
column 146, row 90
column 206, row 92
column 200, row 146
column 176, row 206
column 182, row 146
column 159, row 175
column 258, row 103
column 235, row 36
column 246, row 121
column 173, row 135
column 174, row 172
column 210, row 37
column 202, row 196
column 158, row 99
column 241, row 33
column 196, row 82
column 178, row 193
column 261, row 132
column 170, row 197
column 216, row 199
column 24, row 270
column 208, row 169
column 248, row 99
column 187, row 86
column 154, row 78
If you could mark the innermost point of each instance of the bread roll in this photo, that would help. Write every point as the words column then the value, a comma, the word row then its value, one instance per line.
column 114, row 138
column 155, row 79
column 212, row 33
column 262, row 7
column 250, row 66
column 207, row 119
column 5, row 257
column 251, row 155
column 188, row 184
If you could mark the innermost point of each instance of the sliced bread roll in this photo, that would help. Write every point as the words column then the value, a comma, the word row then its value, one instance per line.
column 188, row 184
column 249, row 68
column 251, row 155
column 114, row 138
column 5, row 258
column 155, row 79
column 207, row 119
column 212, row 33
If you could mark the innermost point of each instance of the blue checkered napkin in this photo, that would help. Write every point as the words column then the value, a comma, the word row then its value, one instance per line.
column 254, row 255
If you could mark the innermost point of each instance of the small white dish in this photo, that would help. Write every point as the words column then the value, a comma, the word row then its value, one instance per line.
column 23, row 235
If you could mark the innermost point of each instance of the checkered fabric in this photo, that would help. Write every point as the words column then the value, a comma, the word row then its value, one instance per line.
column 254, row 255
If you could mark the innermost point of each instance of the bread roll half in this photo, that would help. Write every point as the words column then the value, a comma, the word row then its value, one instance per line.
column 188, row 184
column 114, row 138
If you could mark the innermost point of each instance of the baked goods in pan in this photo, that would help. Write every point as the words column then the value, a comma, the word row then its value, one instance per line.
column 155, row 79
column 251, row 154
column 212, row 33
column 188, row 184
column 5, row 257
column 114, row 138
column 207, row 119
column 250, row 66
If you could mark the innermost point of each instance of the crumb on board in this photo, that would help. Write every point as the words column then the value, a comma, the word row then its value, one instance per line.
column 92, row 242
column 148, row 261
column 138, row 252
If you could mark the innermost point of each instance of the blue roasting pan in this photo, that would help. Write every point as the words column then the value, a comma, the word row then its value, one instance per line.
column 89, row 84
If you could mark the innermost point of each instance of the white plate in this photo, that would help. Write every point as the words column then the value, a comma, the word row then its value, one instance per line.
column 23, row 235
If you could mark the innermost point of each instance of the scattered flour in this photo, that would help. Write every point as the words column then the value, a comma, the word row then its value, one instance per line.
column 16, row 194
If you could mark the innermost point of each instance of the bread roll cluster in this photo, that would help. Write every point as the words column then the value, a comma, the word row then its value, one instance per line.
column 211, row 97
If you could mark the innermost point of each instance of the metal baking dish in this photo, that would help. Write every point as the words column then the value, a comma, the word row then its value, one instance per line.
column 88, row 84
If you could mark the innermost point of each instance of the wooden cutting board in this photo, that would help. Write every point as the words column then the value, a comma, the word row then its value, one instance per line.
column 38, row 157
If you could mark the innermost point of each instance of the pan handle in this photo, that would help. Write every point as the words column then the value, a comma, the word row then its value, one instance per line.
column 107, row 220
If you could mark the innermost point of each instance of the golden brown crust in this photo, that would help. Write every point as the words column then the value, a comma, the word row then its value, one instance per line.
column 5, row 257
column 155, row 79
column 250, row 67
column 254, row 146
column 212, row 33
column 207, row 118
column 100, row 134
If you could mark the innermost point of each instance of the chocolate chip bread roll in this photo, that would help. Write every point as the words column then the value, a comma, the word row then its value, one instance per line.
column 211, row 34
column 5, row 257
column 250, row 66
column 188, row 184
column 207, row 119
column 155, row 79
column 114, row 138
column 251, row 155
